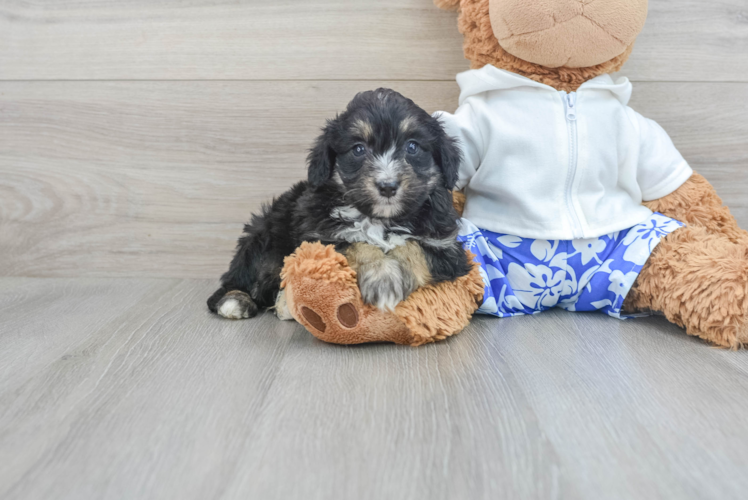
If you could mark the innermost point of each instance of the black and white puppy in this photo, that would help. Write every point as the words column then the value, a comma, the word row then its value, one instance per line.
column 379, row 189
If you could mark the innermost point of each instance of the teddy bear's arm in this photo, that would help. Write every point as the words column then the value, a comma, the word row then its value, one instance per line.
column 458, row 201
column 697, row 204
column 695, row 201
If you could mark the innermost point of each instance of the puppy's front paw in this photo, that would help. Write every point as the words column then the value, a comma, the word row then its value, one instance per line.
column 383, row 284
column 236, row 305
column 281, row 307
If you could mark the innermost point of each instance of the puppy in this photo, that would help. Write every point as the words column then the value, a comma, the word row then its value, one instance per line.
column 379, row 189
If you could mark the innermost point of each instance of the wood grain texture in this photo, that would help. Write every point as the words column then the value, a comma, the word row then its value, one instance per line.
column 129, row 388
column 114, row 387
column 156, row 178
column 709, row 125
column 247, row 39
column 692, row 40
column 146, row 398
column 683, row 40
column 150, row 178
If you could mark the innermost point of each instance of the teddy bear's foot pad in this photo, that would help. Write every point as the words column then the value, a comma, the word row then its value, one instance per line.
column 348, row 315
column 313, row 319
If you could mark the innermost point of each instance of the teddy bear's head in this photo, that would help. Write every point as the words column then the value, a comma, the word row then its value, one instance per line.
column 562, row 43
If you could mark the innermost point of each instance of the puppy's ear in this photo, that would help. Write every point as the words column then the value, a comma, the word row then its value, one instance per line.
column 448, row 156
column 321, row 157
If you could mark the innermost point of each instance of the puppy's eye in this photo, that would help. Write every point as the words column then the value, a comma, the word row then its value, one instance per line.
column 358, row 150
column 412, row 147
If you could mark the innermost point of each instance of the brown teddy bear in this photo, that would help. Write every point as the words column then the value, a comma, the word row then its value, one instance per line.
column 542, row 66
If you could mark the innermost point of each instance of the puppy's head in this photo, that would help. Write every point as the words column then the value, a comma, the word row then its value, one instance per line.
column 386, row 154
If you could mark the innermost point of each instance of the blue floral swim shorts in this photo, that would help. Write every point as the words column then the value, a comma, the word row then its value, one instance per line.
column 526, row 276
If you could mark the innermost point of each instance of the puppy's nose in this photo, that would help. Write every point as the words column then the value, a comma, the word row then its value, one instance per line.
column 388, row 189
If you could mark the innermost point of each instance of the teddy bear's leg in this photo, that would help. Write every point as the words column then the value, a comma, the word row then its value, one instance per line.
column 321, row 293
column 699, row 281
column 434, row 312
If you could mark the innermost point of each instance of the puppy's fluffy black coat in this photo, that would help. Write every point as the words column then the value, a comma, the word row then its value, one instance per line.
column 381, row 173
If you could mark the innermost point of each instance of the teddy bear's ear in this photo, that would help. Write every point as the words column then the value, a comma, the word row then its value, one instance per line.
column 447, row 4
column 322, row 156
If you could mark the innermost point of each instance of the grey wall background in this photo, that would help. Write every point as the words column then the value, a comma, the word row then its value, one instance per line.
column 137, row 136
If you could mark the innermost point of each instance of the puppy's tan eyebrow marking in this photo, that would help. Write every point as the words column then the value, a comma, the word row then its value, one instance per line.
column 407, row 123
column 363, row 129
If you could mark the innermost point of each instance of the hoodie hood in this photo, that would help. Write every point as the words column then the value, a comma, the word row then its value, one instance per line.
column 488, row 78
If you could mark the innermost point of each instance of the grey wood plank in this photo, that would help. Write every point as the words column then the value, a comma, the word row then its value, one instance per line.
column 636, row 409
column 446, row 421
column 150, row 399
column 43, row 321
column 246, row 39
column 156, row 178
column 140, row 393
column 684, row 40
column 691, row 40
column 708, row 124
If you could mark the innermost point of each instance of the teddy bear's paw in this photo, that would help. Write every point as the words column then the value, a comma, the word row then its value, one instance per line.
column 733, row 338
column 384, row 284
column 236, row 305
column 346, row 315
column 322, row 293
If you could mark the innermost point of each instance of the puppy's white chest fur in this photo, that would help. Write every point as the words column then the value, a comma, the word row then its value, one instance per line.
column 365, row 230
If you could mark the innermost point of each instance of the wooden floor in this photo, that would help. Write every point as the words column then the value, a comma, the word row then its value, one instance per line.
column 131, row 389
column 136, row 136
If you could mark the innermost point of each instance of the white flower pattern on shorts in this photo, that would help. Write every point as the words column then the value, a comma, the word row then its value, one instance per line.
column 526, row 276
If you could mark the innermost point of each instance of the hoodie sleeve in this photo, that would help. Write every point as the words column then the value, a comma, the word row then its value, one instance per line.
column 661, row 168
column 461, row 126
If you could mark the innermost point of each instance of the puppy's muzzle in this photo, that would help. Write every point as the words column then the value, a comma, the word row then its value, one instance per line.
column 388, row 189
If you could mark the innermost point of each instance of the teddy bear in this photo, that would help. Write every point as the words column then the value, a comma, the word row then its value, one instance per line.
column 571, row 198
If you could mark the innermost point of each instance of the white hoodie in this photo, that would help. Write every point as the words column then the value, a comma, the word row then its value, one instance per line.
column 540, row 163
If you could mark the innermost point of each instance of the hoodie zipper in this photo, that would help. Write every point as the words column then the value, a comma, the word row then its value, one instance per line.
column 570, row 102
